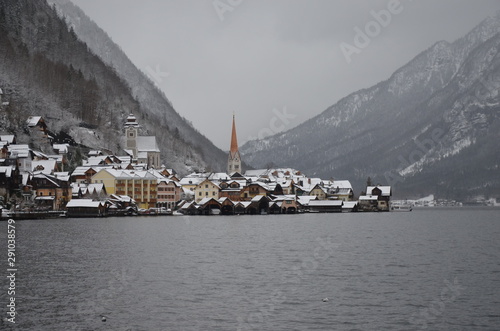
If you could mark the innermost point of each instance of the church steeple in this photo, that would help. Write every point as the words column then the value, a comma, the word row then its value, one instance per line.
column 131, row 128
column 234, row 159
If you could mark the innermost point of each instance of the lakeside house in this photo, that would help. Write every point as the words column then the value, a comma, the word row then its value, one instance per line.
column 377, row 198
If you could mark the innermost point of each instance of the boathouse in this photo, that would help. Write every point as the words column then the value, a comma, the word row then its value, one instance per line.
column 85, row 208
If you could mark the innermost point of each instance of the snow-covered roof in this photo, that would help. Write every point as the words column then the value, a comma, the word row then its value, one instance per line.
column 223, row 199
column 8, row 137
column 80, row 171
column 305, row 199
column 129, row 174
column 206, row 200
column 386, row 190
column 258, row 197
column 124, row 159
column 341, row 184
column 122, row 198
column 189, row 205
column 44, row 166
column 58, row 158
column 40, row 155
column 131, row 121
column 46, row 197
column 86, row 203
column 61, row 148
column 168, row 181
column 349, row 204
column 187, row 191
column 325, row 203
column 142, row 155
column 19, row 147
column 368, row 197
column 95, row 188
column 129, row 152
column 285, row 197
column 50, row 178
column 219, row 176
column 191, row 181
column 33, row 121
column 7, row 170
column 94, row 153
column 62, row 175
column 255, row 173
column 147, row 144
column 245, row 204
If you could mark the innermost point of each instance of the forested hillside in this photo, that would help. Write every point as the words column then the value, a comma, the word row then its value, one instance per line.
column 46, row 70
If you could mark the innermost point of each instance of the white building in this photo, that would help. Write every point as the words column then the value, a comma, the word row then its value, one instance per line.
column 143, row 149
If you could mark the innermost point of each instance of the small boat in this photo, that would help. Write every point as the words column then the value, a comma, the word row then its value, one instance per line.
column 401, row 207
column 215, row 211
column 6, row 213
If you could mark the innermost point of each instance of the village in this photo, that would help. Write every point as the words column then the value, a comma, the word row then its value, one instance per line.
column 35, row 185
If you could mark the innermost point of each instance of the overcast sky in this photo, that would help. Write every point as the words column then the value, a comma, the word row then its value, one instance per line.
column 274, row 63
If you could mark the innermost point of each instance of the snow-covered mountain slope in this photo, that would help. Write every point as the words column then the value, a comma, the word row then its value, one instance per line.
column 427, row 129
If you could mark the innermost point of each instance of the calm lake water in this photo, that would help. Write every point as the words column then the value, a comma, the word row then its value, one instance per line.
column 434, row 269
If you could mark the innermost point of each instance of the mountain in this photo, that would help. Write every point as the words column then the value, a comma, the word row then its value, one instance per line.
column 50, row 68
column 432, row 127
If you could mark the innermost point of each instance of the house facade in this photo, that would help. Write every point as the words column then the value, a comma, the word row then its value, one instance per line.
column 51, row 191
column 206, row 189
column 169, row 193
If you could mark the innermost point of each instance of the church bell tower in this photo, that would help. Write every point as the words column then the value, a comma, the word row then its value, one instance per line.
column 131, row 130
column 234, row 159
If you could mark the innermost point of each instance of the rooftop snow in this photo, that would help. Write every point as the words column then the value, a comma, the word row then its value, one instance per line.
column 33, row 120
column 147, row 144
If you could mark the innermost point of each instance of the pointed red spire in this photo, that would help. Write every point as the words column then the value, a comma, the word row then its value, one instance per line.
column 234, row 140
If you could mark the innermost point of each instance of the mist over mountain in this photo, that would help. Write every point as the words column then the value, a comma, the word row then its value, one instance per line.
column 432, row 127
column 84, row 86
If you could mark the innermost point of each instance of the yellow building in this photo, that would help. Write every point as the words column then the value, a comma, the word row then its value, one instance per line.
column 206, row 189
column 318, row 192
column 106, row 177
column 139, row 185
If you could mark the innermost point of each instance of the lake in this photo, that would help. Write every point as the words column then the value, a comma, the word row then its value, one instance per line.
column 434, row 269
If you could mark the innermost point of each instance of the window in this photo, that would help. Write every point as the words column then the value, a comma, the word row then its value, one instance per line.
column 199, row 194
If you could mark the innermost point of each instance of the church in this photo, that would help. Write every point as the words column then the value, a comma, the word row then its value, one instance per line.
column 143, row 149
column 234, row 158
